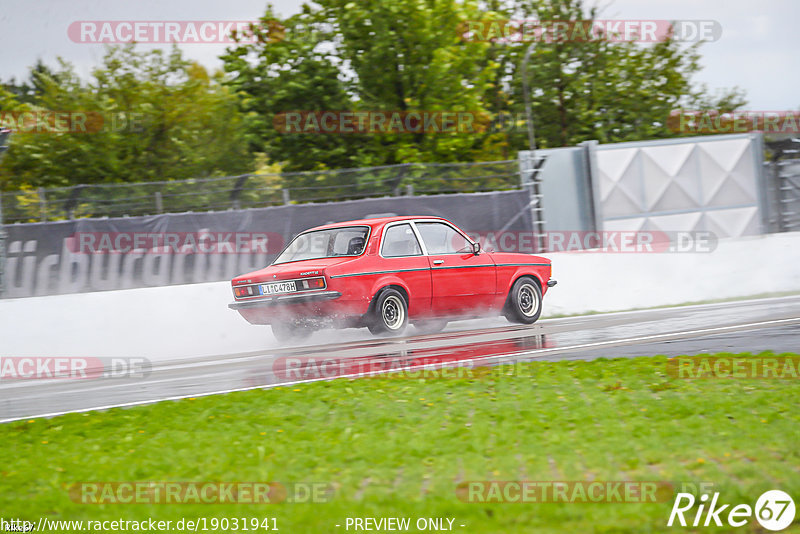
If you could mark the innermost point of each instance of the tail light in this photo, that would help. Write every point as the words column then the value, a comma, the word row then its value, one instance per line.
column 316, row 283
column 243, row 291
column 313, row 283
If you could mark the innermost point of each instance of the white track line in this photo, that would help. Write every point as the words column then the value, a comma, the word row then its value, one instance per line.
column 530, row 353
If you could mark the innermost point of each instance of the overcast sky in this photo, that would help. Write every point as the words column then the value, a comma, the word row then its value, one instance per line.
column 758, row 50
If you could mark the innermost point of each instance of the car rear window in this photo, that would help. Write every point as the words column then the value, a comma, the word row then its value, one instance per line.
column 346, row 241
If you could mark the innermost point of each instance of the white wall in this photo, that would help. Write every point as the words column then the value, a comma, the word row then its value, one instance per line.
column 740, row 267
column 194, row 320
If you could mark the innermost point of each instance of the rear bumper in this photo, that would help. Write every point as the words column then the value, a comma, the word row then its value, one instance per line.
column 551, row 282
column 269, row 302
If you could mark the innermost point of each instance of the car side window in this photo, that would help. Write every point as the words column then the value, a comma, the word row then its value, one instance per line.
column 400, row 241
column 441, row 238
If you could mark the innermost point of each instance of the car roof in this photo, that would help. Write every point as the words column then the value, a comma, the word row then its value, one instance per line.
column 376, row 221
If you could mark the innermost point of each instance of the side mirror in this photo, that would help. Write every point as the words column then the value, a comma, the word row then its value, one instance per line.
column 476, row 248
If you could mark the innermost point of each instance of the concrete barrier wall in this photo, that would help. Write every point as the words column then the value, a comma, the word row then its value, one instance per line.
column 193, row 320
column 738, row 267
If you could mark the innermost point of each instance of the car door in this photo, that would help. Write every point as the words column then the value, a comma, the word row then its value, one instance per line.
column 464, row 283
column 403, row 256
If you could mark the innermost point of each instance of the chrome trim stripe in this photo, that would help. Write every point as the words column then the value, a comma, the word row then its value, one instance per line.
column 285, row 299
column 440, row 267
column 383, row 272
column 522, row 264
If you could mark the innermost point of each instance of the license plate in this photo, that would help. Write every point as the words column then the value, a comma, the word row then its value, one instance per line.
column 278, row 287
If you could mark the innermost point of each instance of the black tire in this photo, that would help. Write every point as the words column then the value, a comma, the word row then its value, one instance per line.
column 524, row 303
column 431, row 326
column 390, row 313
column 285, row 331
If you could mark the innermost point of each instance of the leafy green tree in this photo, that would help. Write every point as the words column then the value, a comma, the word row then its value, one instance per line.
column 388, row 55
column 412, row 55
column 602, row 89
column 151, row 116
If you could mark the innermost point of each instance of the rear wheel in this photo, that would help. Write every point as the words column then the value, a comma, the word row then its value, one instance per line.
column 390, row 314
column 524, row 303
column 285, row 331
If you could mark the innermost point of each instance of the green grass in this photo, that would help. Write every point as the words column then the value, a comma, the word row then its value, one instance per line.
column 399, row 448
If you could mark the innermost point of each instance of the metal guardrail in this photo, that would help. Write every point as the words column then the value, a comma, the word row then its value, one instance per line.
column 788, row 173
column 783, row 184
column 255, row 190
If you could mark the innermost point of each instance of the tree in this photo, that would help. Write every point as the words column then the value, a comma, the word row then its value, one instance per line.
column 412, row 55
column 389, row 55
column 151, row 116
column 602, row 89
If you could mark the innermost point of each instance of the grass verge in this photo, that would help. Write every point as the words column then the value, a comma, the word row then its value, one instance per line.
column 400, row 447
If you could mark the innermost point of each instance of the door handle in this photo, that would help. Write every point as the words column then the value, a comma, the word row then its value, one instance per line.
column 438, row 262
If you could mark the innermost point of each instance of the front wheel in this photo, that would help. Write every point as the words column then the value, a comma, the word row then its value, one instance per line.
column 524, row 302
column 390, row 315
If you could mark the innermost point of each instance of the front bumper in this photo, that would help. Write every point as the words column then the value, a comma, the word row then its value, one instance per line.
column 285, row 299
column 551, row 282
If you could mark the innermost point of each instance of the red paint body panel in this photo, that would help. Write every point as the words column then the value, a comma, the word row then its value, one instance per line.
column 443, row 285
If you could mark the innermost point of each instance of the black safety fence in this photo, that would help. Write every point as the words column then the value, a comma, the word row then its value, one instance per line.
column 254, row 191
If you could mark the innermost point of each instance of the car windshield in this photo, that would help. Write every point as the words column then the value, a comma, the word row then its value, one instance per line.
column 346, row 241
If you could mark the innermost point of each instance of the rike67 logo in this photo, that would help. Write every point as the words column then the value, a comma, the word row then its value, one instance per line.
column 774, row 510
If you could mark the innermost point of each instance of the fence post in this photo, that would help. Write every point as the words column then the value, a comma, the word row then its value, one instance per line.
column 591, row 183
column 159, row 203
column 401, row 173
column 236, row 192
column 286, row 199
column 42, row 204
column 410, row 190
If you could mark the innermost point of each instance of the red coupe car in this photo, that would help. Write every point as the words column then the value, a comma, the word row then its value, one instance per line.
column 385, row 273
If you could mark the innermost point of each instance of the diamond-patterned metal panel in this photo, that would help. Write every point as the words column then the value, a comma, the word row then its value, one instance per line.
column 697, row 184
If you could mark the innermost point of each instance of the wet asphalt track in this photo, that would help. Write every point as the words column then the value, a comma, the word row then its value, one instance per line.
column 742, row 326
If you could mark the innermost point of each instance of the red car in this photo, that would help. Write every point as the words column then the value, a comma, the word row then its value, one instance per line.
column 384, row 273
